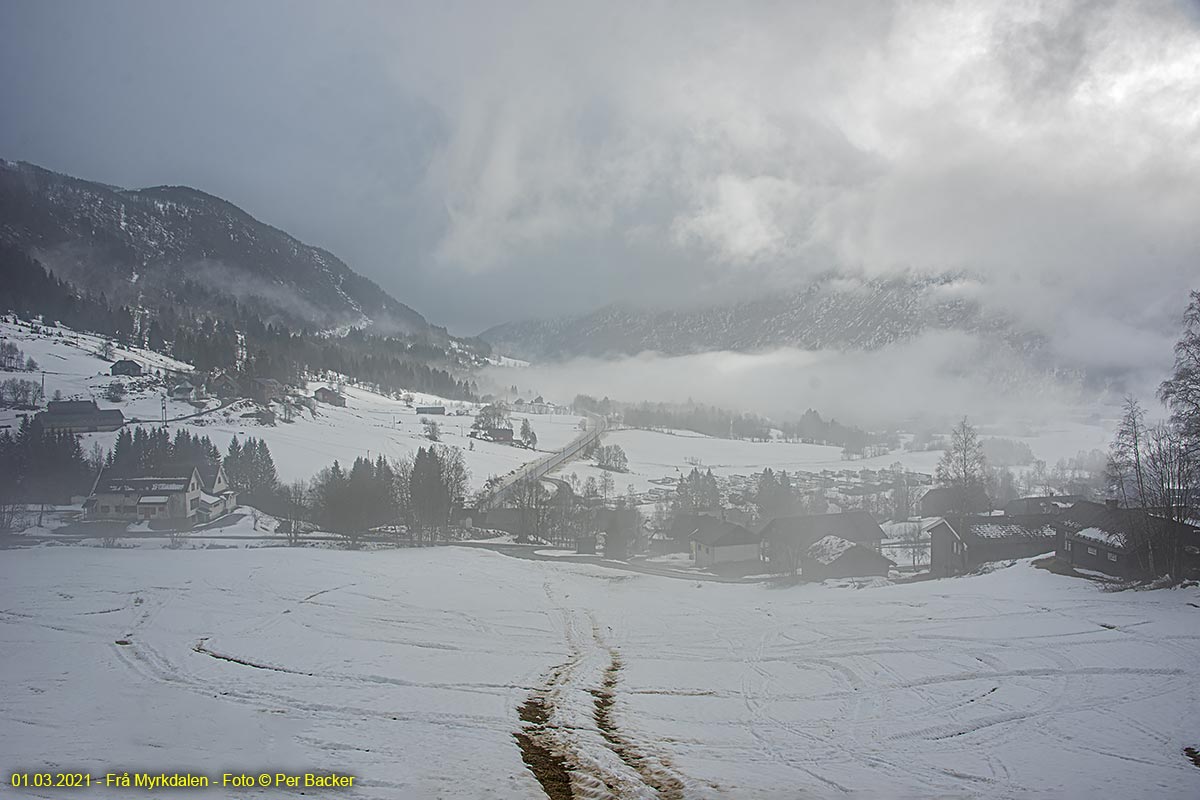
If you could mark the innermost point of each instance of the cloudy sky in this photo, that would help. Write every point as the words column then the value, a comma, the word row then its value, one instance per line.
column 491, row 161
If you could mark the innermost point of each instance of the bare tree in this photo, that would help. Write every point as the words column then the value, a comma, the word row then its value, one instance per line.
column 914, row 542
column 963, row 461
column 1126, row 472
column 1155, row 471
column 784, row 555
column 606, row 485
column 963, row 465
column 296, row 497
column 532, row 499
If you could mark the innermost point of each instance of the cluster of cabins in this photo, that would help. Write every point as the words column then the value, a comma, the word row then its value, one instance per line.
column 1084, row 535
column 817, row 546
column 1100, row 537
column 182, row 496
column 538, row 406
column 189, row 386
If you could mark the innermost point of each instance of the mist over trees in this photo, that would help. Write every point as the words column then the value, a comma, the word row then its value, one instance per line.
column 725, row 424
column 233, row 337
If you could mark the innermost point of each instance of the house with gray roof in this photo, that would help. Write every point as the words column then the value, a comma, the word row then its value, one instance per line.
column 717, row 541
column 960, row 544
column 1106, row 538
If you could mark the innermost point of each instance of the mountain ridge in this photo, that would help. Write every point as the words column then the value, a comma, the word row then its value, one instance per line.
column 154, row 244
column 830, row 312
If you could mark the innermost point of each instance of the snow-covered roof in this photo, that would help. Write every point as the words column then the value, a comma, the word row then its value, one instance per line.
column 131, row 485
column 1101, row 536
column 1010, row 530
column 209, row 499
column 154, row 499
column 829, row 549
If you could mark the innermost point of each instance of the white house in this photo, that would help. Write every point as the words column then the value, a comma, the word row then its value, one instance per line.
column 715, row 541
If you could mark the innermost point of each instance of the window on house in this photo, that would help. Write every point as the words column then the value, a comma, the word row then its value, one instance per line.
column 1112, row 556
column 1067, row 546
column 1091, row 551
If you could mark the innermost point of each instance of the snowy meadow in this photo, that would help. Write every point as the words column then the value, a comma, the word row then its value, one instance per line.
column 440, row 672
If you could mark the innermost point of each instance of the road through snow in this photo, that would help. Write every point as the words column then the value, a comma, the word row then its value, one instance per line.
column 429, row 672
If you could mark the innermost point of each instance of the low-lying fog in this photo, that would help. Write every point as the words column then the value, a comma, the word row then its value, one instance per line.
column 927, row 381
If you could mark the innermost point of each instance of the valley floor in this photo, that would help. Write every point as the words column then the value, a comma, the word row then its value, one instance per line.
column 440, row 673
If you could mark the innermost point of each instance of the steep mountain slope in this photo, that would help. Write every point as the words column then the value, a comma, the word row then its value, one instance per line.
column 177, row 244
column 828, row 313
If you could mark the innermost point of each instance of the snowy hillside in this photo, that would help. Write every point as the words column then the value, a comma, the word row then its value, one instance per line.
column 143, row 246
column 370, row 423
column 436, row 672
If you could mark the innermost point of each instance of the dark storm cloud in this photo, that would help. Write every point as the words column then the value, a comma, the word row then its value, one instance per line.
column 490, row 161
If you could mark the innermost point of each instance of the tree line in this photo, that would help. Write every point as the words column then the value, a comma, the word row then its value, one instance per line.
column 723, row 423
column 418, row 493
column 40, row 467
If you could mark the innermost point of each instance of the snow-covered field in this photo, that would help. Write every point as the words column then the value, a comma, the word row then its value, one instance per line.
column 655, row 455
column 369, row 424
column 407, row 669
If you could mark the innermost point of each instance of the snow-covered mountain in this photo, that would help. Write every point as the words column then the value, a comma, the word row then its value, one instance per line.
column 828, row 313
column 176, row 244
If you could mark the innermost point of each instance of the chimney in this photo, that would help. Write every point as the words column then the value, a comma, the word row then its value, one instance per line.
column 1111, row 504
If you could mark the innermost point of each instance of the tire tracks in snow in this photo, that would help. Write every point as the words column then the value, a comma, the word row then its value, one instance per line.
column 570, row 737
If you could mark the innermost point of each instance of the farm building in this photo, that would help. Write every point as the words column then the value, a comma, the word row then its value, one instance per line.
column 835, row 557
column 431, row 409
column 715, row 541
column 499, row 434
column 1104, row 538
column 79, row 416
column 787, row 539
column 942, row 500
column 958, row 545
column 126, row 367
column 329, row 396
